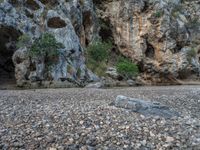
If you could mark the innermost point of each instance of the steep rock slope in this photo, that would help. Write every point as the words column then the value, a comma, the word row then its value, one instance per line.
column 162, row 36
column 72, row 23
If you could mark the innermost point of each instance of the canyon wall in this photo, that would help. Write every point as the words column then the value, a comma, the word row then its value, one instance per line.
column 71, row 22
column 161, row 36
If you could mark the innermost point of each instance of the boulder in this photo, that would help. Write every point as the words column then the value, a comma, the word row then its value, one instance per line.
column 96, row 85
column 112, row 72
column 131, row 82
column 146, row 108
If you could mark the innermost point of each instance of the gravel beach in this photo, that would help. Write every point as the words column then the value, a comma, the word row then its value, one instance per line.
column 58, row 119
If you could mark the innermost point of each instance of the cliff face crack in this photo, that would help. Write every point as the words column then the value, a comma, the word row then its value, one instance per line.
column 49, row 2
column 8, row 38
column 32, row 4
column 150, row 52
column 87, row 23
column 56, row 22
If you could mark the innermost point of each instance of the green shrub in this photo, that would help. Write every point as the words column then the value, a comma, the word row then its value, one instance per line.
column 176, row 10
column 194, row 23
column 46, row 46
column 97, row 67
column 24, row 41
column 97, row 56
column 158, row 14
column 78, row 73
column 126, row 68
column 191, row 54
column 99, row 50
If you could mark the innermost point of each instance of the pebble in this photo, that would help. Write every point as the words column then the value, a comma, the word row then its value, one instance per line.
column 57, row 119
column 169, row 139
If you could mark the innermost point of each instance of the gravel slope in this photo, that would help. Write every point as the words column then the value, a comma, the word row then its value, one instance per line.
column 83, row 119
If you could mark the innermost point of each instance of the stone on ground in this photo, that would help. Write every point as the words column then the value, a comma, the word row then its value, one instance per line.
column 144, row 107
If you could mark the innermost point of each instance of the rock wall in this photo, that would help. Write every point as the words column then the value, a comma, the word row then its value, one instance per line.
column 162, row 36
column 72, row 23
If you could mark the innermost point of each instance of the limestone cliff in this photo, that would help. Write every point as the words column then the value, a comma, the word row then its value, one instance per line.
column 72, row 23
column 162, row 36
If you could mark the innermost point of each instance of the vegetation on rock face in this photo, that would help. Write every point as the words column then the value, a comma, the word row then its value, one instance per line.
column 99, row 50
column 97, row 56
column 191, row 54
column 24, row 41
column 46, row 45
column 194, row 23
column 98, row 61
column 158, row 14
column 126, row 68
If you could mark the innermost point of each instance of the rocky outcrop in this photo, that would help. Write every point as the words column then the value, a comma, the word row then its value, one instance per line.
column 162, row 36
column 147, row 108
column 71, row 22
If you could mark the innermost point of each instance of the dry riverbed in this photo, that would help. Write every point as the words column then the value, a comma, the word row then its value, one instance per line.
column 84, row 119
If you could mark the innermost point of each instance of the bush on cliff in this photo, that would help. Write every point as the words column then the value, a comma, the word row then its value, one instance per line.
column 126, row 68
column 97, row 55
column 99, row 50
column 46, row 45
column 24, row 41
column 191, row 54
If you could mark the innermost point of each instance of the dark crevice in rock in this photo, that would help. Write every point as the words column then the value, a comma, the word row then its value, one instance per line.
column 8, row 38
column 146, row 7
column 141, row 66
column 18, row 60
column 56, row 22
column 76, row 20
column 14, row 2
column 32, row 66
column 178, row 47
column 87, row 23
column 87, row 42
column 49, row 3
column 87, row 18
column 184, row 74
column 150, row 52
column 105, row 31
column 29, row 14
column 32, row 4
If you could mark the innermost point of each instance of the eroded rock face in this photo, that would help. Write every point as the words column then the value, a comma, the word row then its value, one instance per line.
column 157, row 34
column 71, row 22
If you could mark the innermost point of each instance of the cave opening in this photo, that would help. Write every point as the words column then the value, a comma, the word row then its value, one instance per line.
column 8, row 39
column 106, row 30
column 150, row 52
